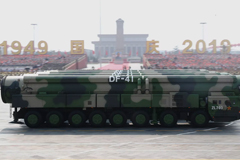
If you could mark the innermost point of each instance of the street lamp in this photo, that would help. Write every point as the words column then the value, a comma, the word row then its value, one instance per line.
column 33, row 33
column 203, row 28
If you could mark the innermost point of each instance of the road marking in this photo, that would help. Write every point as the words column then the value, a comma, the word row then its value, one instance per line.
column 208, row 130
column 91, row 130
column 120, row 144
column 113, row 144
column 130, row 130
column 79, row 153
column 187, row 133
column 122, row 159
column 52, row 130
column 155, row 138
column 14, row 131
column 161, row 150
column 169, row 130
column 229, row 124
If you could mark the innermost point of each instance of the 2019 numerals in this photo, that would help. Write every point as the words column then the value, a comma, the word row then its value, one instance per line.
column 225, row 48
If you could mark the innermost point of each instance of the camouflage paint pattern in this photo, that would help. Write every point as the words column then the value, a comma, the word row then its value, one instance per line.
column 217, row 93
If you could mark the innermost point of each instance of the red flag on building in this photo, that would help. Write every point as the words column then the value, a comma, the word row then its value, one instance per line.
column 106, row 53
column 93, row 52
column 130, row 53
column 179, row 52
column 137, row 53
column 59, row 53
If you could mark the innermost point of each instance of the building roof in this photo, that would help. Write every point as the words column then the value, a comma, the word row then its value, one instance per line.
column 119, row 20
column 125, row 35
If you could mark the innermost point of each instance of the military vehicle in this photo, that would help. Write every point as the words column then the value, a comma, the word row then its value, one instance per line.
column 139, row 96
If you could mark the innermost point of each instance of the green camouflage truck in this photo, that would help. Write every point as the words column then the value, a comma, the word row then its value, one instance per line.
column 118, row 96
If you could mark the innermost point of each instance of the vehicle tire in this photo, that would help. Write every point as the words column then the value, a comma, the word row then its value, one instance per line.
column 199, row 119
column 33, row 119
column 97, row 119
column 76, row 119
column 118, row 119
column 54, row 119
column 168, row 119
column 140, row 119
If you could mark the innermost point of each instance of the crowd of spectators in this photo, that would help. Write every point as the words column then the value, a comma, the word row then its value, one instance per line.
column 223, row 62
column 37, row 62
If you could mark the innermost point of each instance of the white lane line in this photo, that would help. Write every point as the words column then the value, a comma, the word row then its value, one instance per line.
column 111, row 144
column 229, row 124
column 197, row 131
column 149, row 139
column 78, row 153
column 200, row 143
column 120, row 144
column 187, row 133
column 99, row 148
column 210, row 129
column 121, row 150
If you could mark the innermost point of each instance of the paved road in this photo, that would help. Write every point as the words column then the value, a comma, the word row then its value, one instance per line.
column 217, row 141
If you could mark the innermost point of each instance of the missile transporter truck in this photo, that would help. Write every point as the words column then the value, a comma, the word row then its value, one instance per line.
column 143, row 97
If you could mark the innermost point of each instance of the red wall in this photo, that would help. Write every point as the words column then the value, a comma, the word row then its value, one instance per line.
column 80, row 65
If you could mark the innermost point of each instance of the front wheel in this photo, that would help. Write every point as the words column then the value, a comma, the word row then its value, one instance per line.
column 33, row 119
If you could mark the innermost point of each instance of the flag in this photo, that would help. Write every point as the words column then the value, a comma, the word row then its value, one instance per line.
column 106, row 53
column 166, row 52
column 59, row 53
column 137, row 53
column 179, row 52
column 93, row 52
column 130, row 53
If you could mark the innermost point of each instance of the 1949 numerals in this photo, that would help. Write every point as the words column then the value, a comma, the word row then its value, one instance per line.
column 17, row 47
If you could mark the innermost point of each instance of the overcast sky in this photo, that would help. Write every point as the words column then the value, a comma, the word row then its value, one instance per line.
column 170, row 21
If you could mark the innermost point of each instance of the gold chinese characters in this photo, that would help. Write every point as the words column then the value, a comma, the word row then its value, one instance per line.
column 77, row 47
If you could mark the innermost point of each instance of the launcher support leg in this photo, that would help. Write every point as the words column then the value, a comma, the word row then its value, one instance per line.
column 15, row 115
column 154, row 117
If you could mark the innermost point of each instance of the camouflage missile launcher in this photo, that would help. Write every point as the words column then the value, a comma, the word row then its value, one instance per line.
column 54, row 97
column 141, row 72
